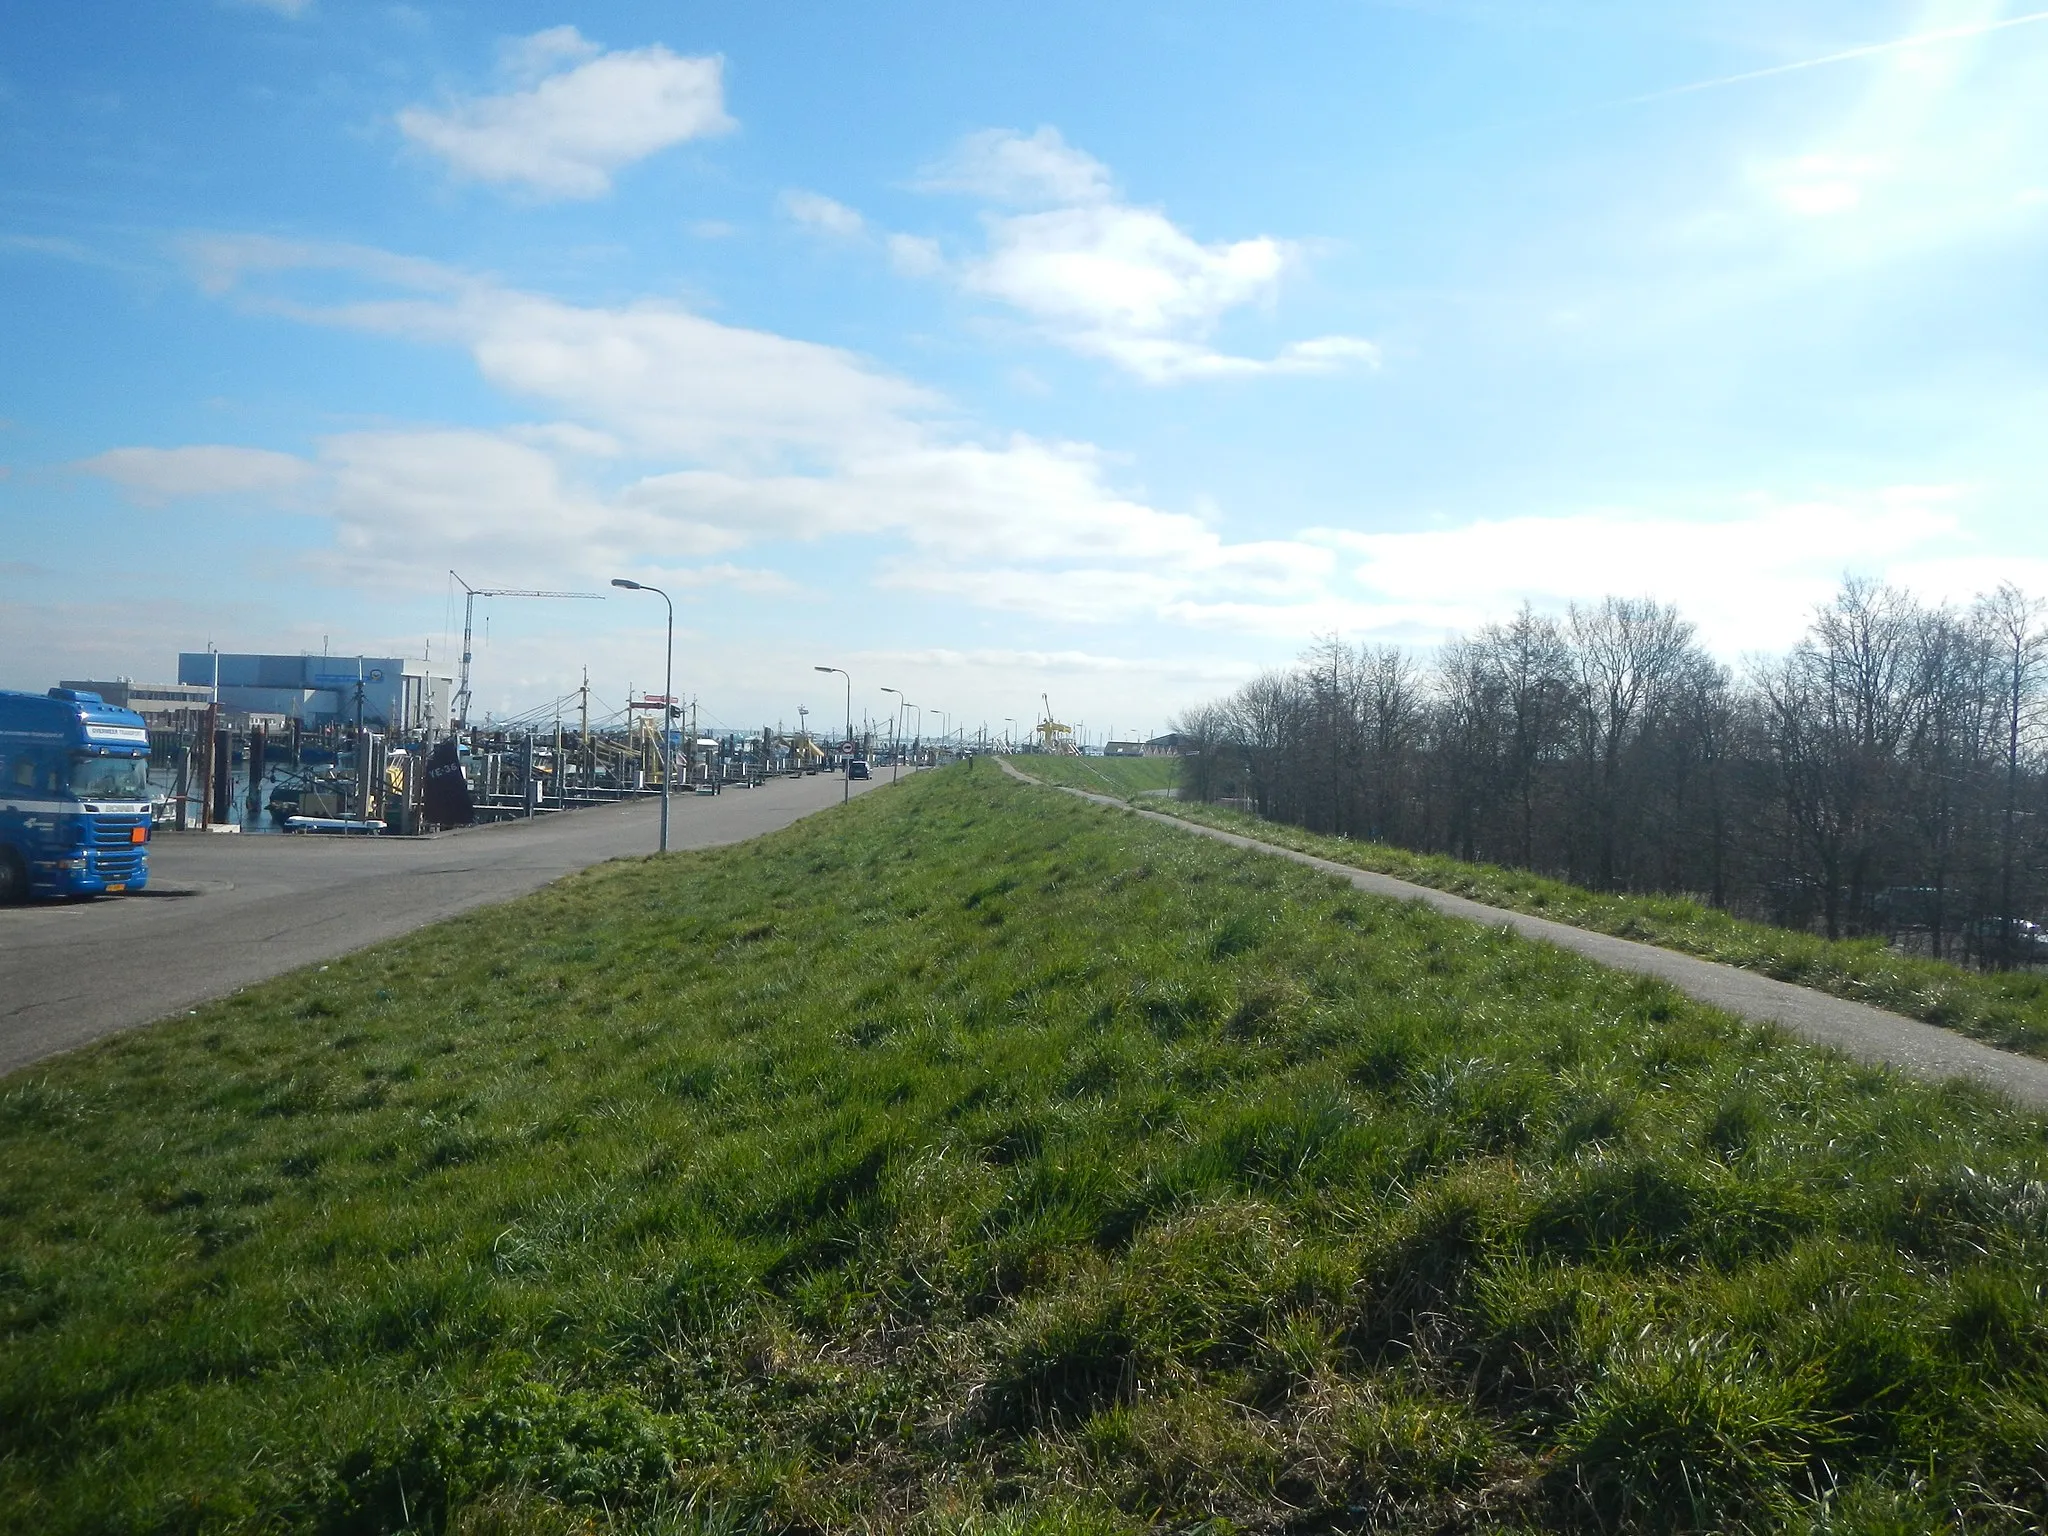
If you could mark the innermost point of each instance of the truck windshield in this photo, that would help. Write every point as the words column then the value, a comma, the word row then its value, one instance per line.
column 110, row 778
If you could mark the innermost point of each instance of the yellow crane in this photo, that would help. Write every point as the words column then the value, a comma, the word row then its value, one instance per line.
column 1054, row 737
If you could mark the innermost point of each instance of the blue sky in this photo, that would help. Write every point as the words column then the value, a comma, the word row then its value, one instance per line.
column 1105, row 352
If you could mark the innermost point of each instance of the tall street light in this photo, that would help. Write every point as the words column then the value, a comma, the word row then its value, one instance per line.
column 668, row 701
column 896, row 736
column 845, row 768
column 1010, row 736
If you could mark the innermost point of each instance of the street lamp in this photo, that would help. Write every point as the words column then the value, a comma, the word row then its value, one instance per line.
column 916, row 730
column 668, row 701
column 846, row 768
column 896, row 736
column 1010, row 736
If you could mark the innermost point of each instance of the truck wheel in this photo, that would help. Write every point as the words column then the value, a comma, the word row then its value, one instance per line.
column 13, row 878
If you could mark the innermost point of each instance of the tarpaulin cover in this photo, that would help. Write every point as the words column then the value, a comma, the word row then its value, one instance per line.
column 448, row 802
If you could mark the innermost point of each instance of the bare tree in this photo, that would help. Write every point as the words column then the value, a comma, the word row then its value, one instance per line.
column 1631, row 654
column 2014, row 625
column 1882, row 773
column 1533, row 674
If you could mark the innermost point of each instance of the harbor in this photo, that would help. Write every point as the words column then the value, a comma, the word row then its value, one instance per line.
column 325, row 745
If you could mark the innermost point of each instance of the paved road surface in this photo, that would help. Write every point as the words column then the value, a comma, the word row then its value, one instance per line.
column 223, row 912
column 1855, row 1029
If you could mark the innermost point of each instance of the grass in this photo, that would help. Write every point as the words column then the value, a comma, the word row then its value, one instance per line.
column 973, row 1159
column 1126, row 777
column 2006, row 1009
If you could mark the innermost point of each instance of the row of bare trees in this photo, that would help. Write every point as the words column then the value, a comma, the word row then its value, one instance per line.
column 1888, row 775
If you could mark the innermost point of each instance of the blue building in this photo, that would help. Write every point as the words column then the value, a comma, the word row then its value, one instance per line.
column 397, row 694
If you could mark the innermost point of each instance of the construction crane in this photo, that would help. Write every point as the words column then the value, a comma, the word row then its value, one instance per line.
column 469, row 615
column 1053, row 736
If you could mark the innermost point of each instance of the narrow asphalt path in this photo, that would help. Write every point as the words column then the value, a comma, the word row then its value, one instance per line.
column 224, row 912
column 1857, row 1030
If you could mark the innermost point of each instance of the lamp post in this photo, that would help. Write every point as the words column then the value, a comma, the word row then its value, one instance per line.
column 846, row 768
column 668, row 701
column 1010, row 735
column 896, row 736
column 917, row 730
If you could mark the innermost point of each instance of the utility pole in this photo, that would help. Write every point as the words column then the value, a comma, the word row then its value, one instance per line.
column 668, row 688
column 896, row 736
column 583, row 737
column 845, row 769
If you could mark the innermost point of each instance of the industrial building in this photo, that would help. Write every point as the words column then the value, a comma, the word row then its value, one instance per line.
column 395, row 694
column 148, row 700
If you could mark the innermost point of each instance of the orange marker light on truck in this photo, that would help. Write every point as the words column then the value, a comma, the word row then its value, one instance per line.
column 138, row 835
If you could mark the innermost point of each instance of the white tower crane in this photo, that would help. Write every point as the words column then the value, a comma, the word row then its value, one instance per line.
column 468, row 616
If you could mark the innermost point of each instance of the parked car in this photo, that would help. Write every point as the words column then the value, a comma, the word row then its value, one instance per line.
column 857, row 768
column 2026, row 943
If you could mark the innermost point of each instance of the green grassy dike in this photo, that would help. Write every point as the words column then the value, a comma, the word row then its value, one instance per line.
column 977, row 1159
column 2009, row 1010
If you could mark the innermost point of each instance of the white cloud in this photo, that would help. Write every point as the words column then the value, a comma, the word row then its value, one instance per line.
column 653, row 374
column 1816, row 186
column 1069, row 661
column 1109, row 279
column 1325, row 353
column 1004, row 166
column 155, row 475
column 697, row 447
column 1749, row 579
column 458, row 494
column 293, row 8
column 739, row 578
column 824, row 214
column 963, row 506
column 916, row 256
column 567, row 437
column 1026, row 527
column 564, row 134
column 766, row 440
column 1121, row 270
column 540, row 54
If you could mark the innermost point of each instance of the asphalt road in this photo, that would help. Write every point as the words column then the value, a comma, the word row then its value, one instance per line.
column 225, row 911
column 1856, row 1029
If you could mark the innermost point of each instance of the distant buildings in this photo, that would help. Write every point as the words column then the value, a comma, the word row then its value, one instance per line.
column 148, row 700
column 1123, row 749
column 395, row 693
column 1168, row 745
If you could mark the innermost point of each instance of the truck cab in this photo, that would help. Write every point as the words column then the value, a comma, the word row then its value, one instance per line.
column 74, row 796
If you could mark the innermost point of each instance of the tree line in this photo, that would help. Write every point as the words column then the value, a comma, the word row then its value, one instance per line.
column 1887, row 775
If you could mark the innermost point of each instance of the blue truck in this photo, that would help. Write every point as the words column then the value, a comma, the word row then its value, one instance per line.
column 74, row 796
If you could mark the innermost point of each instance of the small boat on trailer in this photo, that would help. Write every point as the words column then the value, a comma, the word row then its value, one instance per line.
column 333, row 826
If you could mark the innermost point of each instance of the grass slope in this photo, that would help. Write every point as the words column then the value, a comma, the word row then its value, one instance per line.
column 975, row 1159
column 1127, row 777
column 2003, row 1009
